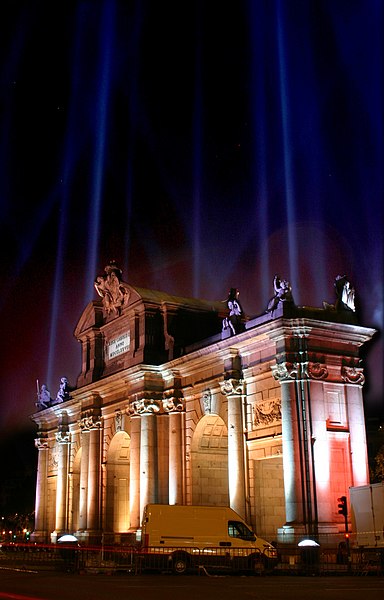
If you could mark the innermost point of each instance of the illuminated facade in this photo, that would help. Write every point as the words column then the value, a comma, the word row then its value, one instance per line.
column 169, row 408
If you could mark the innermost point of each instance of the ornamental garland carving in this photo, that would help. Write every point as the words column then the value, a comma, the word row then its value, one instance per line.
column 232, row 387
column 352, row 375
column 266, row 413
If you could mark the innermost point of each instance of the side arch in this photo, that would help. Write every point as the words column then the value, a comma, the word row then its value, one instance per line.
column 209, row 458
column 117, row 517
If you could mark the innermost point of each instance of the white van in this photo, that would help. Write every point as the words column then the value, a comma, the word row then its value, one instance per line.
column 193, row 536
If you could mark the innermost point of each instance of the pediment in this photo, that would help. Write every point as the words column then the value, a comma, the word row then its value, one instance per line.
column 92, row 317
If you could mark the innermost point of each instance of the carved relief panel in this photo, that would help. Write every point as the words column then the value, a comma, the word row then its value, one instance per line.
column 266, row 413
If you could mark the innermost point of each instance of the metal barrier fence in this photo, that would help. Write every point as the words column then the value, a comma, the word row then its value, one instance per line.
column 129, row 559
column 179, row 560
column 330, row 561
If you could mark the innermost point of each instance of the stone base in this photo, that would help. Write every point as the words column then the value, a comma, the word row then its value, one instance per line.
column 89, row 538
column 294, row 533
column 291, row 534
column 39, row 537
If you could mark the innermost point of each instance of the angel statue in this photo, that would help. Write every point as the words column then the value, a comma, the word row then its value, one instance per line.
column 111, row 289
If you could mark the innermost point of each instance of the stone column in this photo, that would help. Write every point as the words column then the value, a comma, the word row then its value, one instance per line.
column 84, row 465
column 291, row 455
column 134, row 474
column 354, row 379
column 148, row 459
column 61, row 523
column 176, row 450
column 292, row 462
column 40, row 533
column 321, row 453
column 233, row 389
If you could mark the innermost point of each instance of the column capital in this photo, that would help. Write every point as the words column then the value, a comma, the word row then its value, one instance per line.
column 232, row 387
column 144, row 406
column 352, row 375
column 285, row 371
column 41, row 442
column 173, row 405
column 63, row 437
column 288, row 371
column 89, row 421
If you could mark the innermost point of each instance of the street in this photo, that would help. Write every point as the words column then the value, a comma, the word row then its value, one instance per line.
column 34, row 585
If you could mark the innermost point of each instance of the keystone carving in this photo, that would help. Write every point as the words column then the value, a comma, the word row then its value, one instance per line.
column 206, row 401
column 118, row 420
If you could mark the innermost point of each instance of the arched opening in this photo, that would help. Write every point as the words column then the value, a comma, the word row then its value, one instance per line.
column 209, row 458
column 117, row 518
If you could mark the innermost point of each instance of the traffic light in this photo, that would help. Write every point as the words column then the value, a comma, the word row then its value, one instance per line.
column 342, row 505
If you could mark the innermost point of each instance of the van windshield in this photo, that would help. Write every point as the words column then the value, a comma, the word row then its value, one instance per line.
column 239, row 530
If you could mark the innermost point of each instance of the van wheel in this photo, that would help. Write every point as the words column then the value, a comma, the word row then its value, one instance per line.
column 180, row 564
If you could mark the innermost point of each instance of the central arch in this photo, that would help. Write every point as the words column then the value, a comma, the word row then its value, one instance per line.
column 209, row 458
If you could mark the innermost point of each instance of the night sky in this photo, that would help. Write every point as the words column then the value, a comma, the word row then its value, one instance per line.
column 203, row 145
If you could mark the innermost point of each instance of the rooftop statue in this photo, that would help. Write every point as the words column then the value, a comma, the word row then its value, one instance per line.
column 345, row 295
column 283, row 293
column 43, row 396
column 234, row 321
column 63, row 393
column 111, row 289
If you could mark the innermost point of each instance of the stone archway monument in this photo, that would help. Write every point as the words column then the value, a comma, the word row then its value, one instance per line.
column 286, row 388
